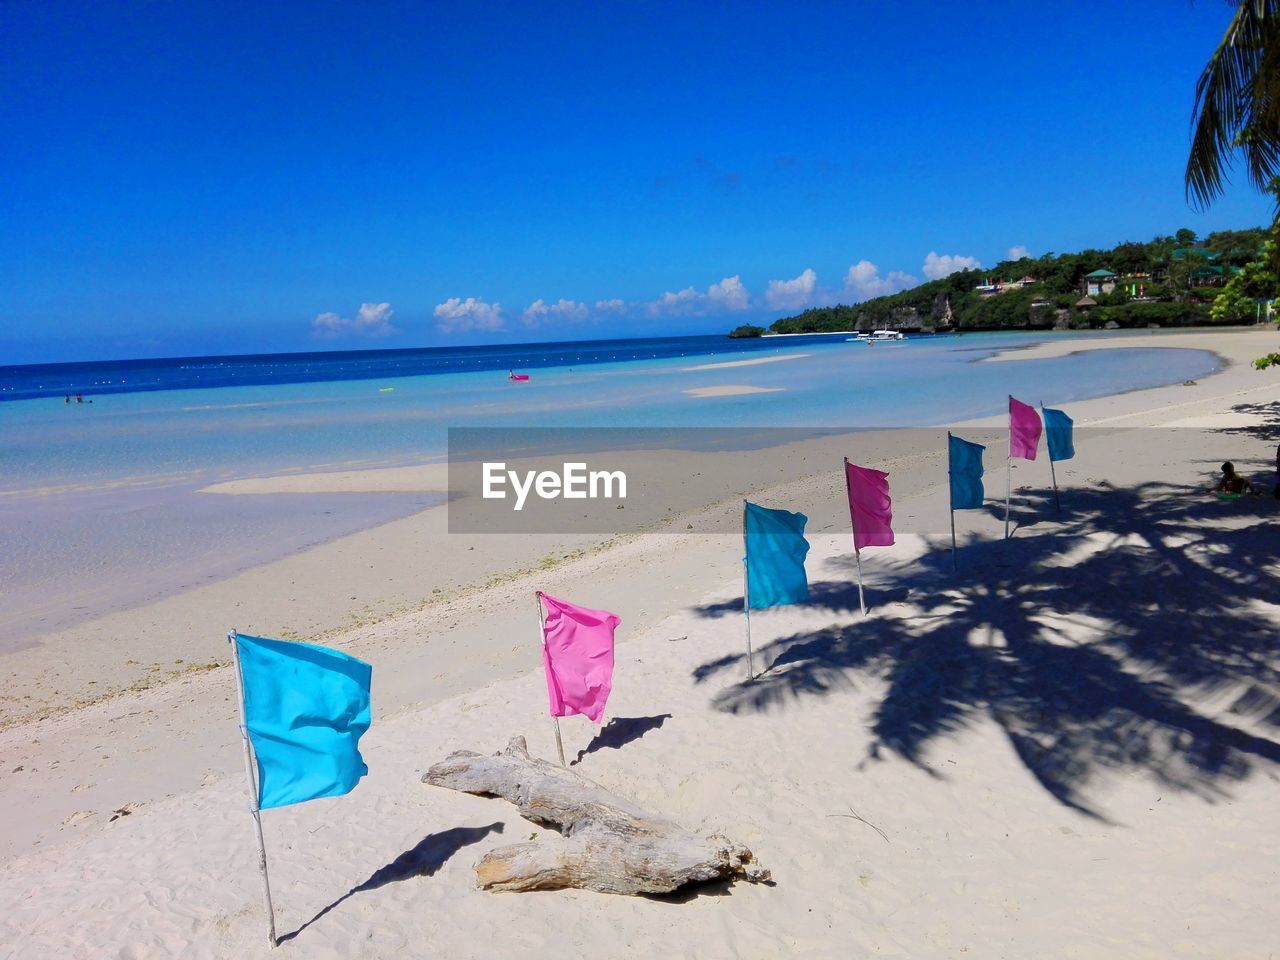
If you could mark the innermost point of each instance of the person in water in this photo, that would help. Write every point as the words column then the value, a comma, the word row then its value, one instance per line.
column 1232, row 482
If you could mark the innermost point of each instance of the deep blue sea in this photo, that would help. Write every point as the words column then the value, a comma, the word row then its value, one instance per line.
column 251, row 370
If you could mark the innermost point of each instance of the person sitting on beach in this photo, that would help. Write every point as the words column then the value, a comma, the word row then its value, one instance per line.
column 1232, row 482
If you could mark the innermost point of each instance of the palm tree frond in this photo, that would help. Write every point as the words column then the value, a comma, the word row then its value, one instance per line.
column 1237, row 104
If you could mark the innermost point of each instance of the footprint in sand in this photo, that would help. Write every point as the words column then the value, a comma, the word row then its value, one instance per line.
column 79, row 817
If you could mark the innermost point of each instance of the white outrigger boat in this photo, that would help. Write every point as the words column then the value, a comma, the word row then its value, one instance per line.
column 877, row 336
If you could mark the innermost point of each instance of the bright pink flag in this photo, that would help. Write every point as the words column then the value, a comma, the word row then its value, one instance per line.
column 869, row 506
column 1024, row 430
column 577, row 652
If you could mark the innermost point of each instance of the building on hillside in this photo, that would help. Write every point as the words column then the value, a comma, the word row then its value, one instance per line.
column 1211, row 275
column 992, row 287
column 1097, row 283
column 1202, row 253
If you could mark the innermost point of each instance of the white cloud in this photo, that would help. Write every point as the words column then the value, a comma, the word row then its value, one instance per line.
column 727, row 295
column 1017, row 252
column 570, row 310
column 457, row 315
column 936, row 267
column 683, row 301
column 371, row 320
column 863, row 281
column 793, row 294
column 610, row 306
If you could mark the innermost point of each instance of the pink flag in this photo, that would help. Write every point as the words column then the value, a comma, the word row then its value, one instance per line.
column 577, row 652
column 869, row 506
column 1024, row 430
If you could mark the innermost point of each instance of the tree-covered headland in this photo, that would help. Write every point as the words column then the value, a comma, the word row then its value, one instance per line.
column 1169, row 281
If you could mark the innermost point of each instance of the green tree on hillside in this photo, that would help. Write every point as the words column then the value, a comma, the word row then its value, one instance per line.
column 1257, row 280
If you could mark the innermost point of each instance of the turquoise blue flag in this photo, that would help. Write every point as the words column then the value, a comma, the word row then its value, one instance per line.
column 776, row 549
column 966, row 473
column 1057, row 428
column 305, row 708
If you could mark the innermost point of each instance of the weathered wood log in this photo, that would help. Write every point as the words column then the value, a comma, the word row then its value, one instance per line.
column 609, row 845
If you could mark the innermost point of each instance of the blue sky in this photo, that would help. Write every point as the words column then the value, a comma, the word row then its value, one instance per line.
column 225, row 178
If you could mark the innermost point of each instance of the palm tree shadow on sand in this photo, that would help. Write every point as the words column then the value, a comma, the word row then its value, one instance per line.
column 1167, row 594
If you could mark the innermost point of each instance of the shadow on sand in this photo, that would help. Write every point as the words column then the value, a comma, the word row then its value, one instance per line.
column 423, row 860
column 620, row 731
column 1094, row 654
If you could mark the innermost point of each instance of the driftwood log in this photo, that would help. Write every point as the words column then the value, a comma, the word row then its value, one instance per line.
column 609, row 845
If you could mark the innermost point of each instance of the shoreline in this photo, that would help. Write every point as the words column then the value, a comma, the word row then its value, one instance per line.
column 389, row 588
column 392, row 597
column 970, row 823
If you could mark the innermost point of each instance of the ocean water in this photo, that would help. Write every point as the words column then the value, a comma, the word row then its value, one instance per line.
column 100, row 506
column 173, row 432
column 188, row 373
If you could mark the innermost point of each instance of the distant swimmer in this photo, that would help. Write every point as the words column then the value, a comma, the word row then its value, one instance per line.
column 67, row 398
column 79, row 398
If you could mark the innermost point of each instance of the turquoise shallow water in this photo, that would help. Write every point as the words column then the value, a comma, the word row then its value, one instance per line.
column 205, row 434
column 99, row 502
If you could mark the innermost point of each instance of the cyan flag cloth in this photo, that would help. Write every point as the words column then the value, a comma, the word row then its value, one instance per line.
column 966, row 473
column 776, row 549
column 306, row 708
column 1057, row 428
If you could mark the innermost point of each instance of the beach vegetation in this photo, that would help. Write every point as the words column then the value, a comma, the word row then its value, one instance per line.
column 1168, row 280
column 746, row 331
column 1236, row 115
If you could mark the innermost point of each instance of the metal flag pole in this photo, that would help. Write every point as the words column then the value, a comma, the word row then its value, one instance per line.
column 951, row 503
column 253, row 791
column 1008, row 483
column 1009, row 465
column 857, row 555
column 1053, row 474
column 542, row 638
column 746, row 593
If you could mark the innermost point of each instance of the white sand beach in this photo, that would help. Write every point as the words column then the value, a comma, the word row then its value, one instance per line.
column 729, row 390
column 1068, row 748
column 753, row 362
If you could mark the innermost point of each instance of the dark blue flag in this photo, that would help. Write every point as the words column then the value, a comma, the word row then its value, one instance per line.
column 965, row 460
column 1057, row 428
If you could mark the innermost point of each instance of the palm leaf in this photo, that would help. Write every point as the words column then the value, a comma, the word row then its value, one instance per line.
column 1237, row 105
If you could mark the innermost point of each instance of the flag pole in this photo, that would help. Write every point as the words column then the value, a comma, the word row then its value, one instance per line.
column 951, row 503
column 253, row 791
column 857, row 555
column 746, row 593
column 1053, row 473
column 1008, row 483
column 542, row 638
column 1008, row 470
